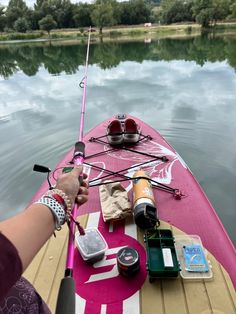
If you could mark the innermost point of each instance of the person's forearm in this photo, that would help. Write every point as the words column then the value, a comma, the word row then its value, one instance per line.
column 29, row 230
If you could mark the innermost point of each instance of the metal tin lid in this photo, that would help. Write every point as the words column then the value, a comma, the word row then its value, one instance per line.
column 127, row 256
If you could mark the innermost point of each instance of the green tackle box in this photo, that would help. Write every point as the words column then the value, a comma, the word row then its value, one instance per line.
column 162, row 260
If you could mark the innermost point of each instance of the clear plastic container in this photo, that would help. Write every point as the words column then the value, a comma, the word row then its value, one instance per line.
column 92, row 245
column 192, row 257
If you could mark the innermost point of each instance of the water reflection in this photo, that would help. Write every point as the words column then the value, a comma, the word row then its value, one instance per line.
column 185, row 88
column 58, row 59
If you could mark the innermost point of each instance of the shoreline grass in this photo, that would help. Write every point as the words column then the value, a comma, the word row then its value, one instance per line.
column 116, row 32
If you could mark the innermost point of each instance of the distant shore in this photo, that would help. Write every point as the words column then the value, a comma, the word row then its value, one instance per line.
column 156, row 30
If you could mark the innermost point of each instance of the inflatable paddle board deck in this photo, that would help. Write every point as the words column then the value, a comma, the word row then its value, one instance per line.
column 99, row 287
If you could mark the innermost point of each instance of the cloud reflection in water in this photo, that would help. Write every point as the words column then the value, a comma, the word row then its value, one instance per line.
column 193, row 106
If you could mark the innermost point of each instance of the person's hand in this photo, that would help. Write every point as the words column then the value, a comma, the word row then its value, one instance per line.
column 70, row 185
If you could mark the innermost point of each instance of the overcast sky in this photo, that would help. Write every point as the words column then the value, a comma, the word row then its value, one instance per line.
column 30, row 3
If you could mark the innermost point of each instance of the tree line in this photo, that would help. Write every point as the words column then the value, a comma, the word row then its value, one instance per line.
column 204, row 12
column 60, row 14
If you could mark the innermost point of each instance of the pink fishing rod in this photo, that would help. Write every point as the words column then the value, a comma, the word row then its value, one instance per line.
column 66, row 296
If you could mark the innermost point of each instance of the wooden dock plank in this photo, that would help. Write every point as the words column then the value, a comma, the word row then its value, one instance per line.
column 229, row 286
column 31, row 271
column 218, row 292
column 196, row 297
column 52, row 298
column 48, row 267
column 152, row 298
column 174, row 296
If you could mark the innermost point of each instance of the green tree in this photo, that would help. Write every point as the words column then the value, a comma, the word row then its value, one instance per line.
column 203, row 12
column 233, row 10
column 15, row 10
column 47, row 23
column 60, row 10
column 2, row 18
column 134, row 12
column 116, row 11
column 141, row 11
column 204, row 17
column 81, row 15
column 125, row 13
column 43, row 8
column 21, row 25
column 174, row 11
column 167, row 11
column 62, row 13
column 156, row 14
column 103, row 14
column 32, row 19
column 221, row 9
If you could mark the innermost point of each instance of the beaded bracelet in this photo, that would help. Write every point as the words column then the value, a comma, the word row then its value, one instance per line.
column 58, row 206
column 62, row 198
column 56, row 209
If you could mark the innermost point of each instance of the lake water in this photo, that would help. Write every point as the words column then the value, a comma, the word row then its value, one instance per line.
column 184, row 88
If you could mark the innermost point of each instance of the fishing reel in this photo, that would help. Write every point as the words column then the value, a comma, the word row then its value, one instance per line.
column 78, row 154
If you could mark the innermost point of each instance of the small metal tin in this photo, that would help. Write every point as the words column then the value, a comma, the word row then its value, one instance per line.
column 128, row 261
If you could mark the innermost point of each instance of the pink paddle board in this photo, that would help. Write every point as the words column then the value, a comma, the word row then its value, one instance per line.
column 100, row 286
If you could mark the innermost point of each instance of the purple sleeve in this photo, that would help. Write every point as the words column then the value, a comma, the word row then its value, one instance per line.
column 10, row 265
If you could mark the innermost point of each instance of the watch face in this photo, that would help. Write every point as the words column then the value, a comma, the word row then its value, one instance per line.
column 127, row 256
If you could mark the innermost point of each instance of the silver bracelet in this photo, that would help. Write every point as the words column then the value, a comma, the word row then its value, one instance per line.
column 56, row 209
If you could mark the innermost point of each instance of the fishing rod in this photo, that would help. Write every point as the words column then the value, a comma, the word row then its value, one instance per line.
column 66, row 295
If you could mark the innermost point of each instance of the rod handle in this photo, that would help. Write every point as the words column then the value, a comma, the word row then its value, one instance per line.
column 66, row 297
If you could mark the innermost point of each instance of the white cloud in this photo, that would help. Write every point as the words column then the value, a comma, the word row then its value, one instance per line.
column 30, row 3
column 160, row 85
